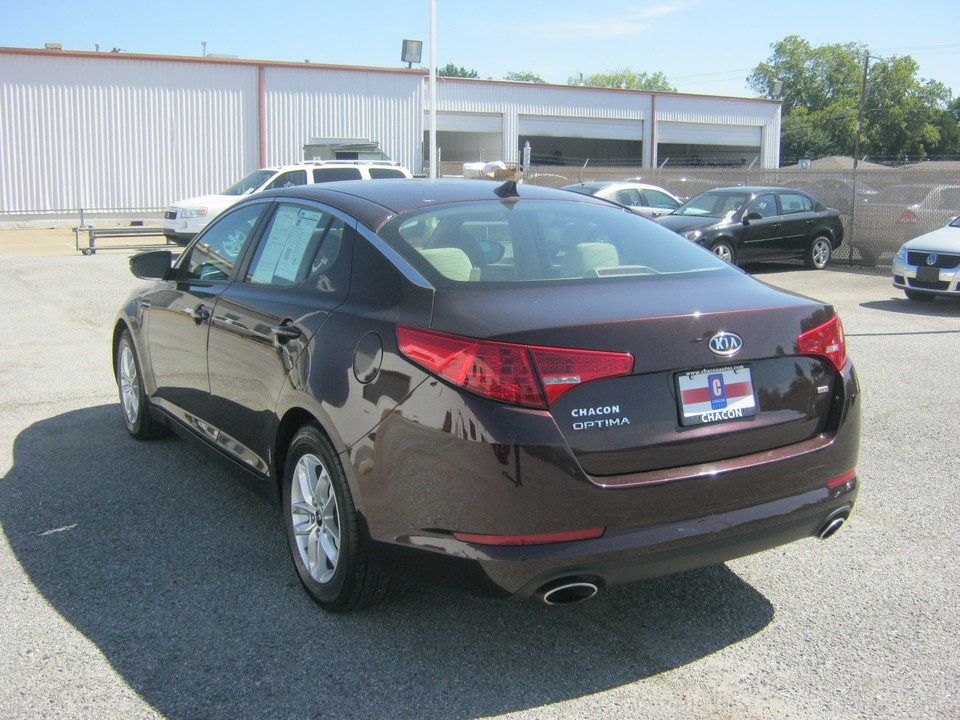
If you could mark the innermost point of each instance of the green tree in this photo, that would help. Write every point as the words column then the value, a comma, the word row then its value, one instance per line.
column 626, row 79
column 812, row 78
column 904, row 115
column 525, row 77
column 451, row 70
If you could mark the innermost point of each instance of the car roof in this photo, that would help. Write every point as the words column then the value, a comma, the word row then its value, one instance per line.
column 753, row 189
column 598, row 184
column 373, row 201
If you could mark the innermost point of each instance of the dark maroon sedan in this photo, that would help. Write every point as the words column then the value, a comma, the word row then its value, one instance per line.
column 513, row 390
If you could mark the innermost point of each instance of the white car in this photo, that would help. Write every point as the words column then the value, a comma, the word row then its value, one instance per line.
column 648, row 200
column 184, row 219
column 929, row 265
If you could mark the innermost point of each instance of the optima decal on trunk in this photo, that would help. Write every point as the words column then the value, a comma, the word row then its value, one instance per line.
column 605, row 417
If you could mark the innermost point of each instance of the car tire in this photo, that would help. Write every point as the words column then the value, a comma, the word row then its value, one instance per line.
column 819, row 253
column 724, row 250
column 134, row 406
column 322, row 527
column 918, row 296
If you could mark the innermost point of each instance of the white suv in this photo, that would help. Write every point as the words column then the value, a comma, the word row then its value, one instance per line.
column 184, row 219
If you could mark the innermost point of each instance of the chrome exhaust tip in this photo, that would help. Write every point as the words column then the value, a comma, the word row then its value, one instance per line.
column 832, row 525
column 567, row 591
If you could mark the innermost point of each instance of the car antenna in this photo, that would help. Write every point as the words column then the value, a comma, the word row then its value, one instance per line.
column 507, row 190
column 580, row 172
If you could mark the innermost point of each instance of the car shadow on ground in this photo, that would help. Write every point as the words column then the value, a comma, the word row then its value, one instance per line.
column 940, row 307
column 180, row 576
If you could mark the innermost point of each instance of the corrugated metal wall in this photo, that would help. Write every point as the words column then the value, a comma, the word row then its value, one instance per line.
column 88, row 133
column 107, row 134
column 303, row 103
column 133, row 133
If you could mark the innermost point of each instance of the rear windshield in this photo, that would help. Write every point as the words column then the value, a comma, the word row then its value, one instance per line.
column 530, row 241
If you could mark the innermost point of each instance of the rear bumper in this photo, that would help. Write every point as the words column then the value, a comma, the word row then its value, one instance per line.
column 502, row 471
column 618, row 557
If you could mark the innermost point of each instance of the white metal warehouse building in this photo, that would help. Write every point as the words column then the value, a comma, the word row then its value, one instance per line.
column 125, row 134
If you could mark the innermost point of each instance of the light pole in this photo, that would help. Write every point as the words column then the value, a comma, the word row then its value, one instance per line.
column 433, row 90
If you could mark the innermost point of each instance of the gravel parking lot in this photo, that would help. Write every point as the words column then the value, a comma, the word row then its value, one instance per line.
column 141, row 581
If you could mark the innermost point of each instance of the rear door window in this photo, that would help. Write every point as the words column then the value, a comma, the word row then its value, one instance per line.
column 332, row 174
column 380, row 173
column 299, row 242
column 795, row 203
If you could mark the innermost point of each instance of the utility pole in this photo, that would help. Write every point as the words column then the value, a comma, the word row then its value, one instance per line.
column 863, row 100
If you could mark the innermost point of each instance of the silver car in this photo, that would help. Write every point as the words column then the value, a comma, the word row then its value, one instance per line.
column 645, row 199
column 929, row 265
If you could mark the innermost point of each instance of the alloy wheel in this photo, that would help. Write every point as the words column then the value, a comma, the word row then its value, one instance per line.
column 316, row 518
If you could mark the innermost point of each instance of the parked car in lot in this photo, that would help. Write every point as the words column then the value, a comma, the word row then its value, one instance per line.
column 648, row 200
column 835, row 192
column 929, row 265
column 749, row 224
column 184, row 219
column 901, row 212
column 514, row 390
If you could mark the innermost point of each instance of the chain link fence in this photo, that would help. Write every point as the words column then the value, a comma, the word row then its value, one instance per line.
column 882, row 207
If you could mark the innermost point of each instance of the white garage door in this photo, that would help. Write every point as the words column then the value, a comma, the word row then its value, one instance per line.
column 709, row 134
column 469, row 122
column 599, row 128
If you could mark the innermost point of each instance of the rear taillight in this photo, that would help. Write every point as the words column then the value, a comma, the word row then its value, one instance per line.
column 827, row 341
column 908, row 217
column 517, row 374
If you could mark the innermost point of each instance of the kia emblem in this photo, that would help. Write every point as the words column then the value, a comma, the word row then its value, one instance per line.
column 725, row 344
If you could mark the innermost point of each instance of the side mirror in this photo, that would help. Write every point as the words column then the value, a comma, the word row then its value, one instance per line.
column 153, row 265
column 752, row 216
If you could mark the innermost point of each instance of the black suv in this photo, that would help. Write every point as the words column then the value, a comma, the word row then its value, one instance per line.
column 747, row 224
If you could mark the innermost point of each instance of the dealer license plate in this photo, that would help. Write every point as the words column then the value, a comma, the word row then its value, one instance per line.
column 716, row 395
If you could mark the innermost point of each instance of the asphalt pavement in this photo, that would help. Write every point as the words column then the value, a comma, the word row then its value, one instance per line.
column 140, row 580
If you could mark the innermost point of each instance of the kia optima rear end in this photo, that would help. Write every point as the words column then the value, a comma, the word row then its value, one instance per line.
column 513, row 390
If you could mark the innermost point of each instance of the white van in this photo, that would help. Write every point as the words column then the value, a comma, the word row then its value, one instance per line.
column 184, row 219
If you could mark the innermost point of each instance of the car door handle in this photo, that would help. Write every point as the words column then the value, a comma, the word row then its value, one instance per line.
column 199, row 314
column 285, row 333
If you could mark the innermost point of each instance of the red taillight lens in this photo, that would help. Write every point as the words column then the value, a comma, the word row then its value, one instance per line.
column 827, row 341
column 841, row 479
column 499, row 370
column 908, row 217
column 560, row 370
column 516, row 374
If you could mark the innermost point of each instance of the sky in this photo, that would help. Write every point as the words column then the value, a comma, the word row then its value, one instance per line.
column 703, row 47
